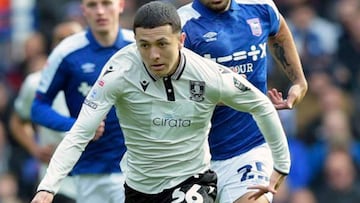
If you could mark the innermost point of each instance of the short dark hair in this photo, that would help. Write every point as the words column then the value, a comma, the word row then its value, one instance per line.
column 155, row 14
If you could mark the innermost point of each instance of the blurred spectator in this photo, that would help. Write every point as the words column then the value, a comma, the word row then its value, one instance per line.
column 322, row 96
column 348, row 54
column 3, row 150
column 340, row 182
column 303, row 196
column 298, row 179
column 34, row 47
column 50, row 13
column 5, row 35
column 315, row 48
column 333, row 131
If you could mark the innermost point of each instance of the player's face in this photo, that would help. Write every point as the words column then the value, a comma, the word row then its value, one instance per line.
column 216, row 5
column 102, row 15
column 159, row 48
column 65, row 29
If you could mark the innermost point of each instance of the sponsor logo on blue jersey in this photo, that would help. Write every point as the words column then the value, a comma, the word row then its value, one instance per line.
column 88, row 67
column 243, row 59
column 210, row 36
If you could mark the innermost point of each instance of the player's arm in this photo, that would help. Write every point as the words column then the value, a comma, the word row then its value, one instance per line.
column 241, row 95
column 43, row 114
column 23, row 132
column 53, row 79
column 284, row 52
column 94, row 109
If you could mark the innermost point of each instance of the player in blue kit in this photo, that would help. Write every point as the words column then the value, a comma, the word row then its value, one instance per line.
column 236, row 34
column 73, row 67
column 165, row 95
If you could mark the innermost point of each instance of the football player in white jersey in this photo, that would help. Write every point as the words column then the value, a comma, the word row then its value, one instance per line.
column 164, row 96
column 22, row 127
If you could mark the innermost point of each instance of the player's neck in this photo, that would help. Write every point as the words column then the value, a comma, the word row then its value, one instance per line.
column 106, row 39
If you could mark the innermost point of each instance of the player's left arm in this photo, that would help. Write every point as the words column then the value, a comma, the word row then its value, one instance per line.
column 284, row 52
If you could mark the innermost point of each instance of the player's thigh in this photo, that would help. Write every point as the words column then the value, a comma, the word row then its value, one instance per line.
column 100, row 188
column 235, row 175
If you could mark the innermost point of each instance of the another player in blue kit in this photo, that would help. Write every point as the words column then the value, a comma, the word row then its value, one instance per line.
column 73, row 67
column 236, row 33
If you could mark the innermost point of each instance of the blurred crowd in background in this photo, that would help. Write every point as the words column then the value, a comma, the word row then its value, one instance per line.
column 323, row 130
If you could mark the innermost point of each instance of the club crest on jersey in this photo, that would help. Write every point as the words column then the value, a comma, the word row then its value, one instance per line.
column 197, row 89
column 240, row 85
column 255, row 26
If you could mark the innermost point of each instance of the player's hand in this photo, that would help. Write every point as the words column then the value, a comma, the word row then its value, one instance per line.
column 295, row 95
column 43, row 197
column 277, row 99
column 99, row 131
column 275, row 181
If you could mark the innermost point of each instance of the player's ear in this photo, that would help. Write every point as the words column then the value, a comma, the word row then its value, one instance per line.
column 121, row 5
column 182, row 38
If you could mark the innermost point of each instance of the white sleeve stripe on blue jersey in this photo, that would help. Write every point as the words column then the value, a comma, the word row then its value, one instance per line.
column 186, row 13
column 66, row 47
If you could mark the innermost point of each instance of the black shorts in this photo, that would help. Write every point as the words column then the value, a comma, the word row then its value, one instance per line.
column 196, row 189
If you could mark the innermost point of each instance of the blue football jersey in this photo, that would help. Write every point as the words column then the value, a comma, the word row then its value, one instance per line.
column 237, row 39
column 73, row 66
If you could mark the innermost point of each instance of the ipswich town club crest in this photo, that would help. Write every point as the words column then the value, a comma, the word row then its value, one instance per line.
column 255, row 26
column 197, row 89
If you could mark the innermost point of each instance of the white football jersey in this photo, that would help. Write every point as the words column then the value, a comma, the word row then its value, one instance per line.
column 23, row 107
column 165, row 120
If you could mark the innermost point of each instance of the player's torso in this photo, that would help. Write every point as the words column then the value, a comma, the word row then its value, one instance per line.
column 165, row 120
column 238, row 40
